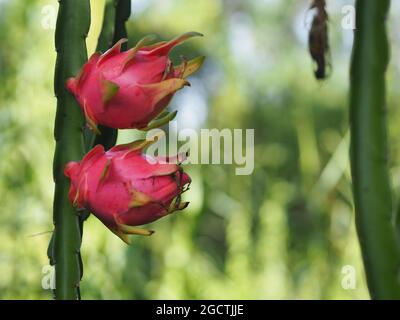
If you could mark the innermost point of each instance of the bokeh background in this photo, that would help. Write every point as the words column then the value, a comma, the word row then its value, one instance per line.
column 286, row 231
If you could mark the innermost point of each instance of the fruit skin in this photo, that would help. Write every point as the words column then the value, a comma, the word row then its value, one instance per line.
column 124, row 187
column 129, row 89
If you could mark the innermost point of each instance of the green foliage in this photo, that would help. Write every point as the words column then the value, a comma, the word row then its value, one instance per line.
column 284, row 232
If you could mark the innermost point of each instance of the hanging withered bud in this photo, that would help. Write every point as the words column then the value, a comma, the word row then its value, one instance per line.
column 318, row 43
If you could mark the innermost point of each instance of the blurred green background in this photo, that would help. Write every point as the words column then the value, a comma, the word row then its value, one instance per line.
column 286, row 231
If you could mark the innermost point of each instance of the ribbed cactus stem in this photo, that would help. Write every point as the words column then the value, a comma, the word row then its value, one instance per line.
column 116, row 13
column 371, row 187
column 73, row 23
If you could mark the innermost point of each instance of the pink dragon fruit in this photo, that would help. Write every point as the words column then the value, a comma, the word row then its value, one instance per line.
column 124, row 187
column 131, row 89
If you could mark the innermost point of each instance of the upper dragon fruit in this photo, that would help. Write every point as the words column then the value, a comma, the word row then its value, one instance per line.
column 131, row 89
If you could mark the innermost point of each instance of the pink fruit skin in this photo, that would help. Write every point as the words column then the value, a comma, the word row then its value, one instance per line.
column 121, row 187
column 129, row 89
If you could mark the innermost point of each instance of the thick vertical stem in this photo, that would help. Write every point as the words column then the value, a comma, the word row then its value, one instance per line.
column 116, row 13
column 106, row 37
column 122, row 15
column 73, row 23
column 371, row 187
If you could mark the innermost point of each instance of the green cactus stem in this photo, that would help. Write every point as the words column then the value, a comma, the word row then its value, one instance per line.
column 73, row 23
column 106, row 37
column 122, row 15
column 371, row 186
